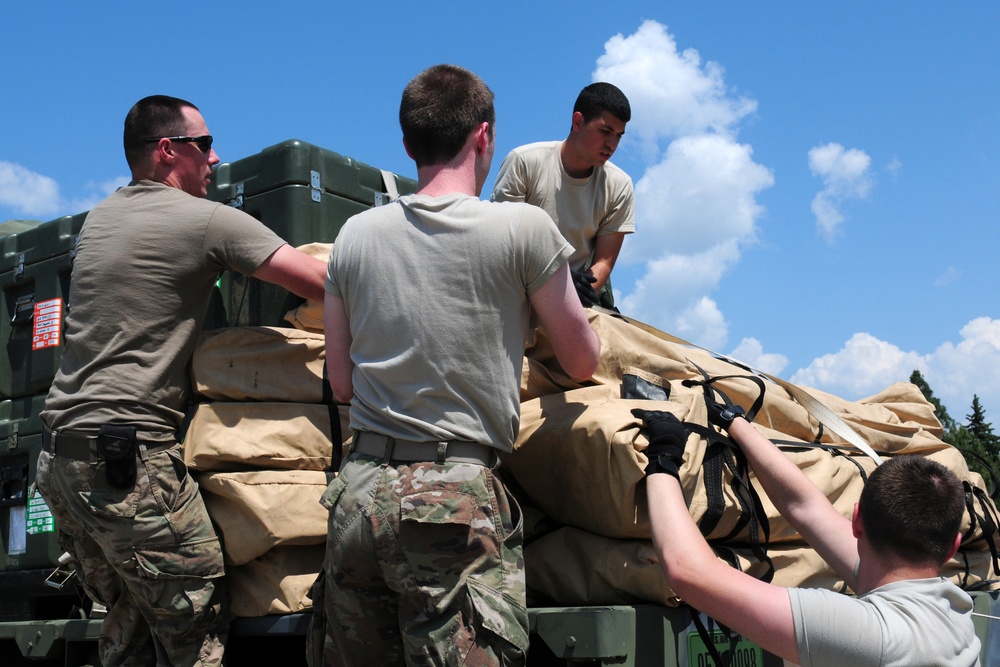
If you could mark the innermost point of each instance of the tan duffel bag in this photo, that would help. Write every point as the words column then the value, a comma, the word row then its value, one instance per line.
column 236, row 436
column 578, row 457
column 570, row 566
column 277, row 582
column 257, row 511
column 260, row 364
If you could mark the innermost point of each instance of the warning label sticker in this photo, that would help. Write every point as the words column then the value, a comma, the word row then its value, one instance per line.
column 47, row 324
column 39, row 517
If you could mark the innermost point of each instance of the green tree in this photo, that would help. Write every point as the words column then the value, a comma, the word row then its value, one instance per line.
column 981, row 429
column 975, row 439
column 942, row 414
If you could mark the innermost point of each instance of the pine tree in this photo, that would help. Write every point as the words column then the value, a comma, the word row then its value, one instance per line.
column 982, row 430
column 976, row 440
column 947, row 422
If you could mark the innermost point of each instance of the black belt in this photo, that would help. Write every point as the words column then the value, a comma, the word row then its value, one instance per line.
column 82, row 447
column 411, row 451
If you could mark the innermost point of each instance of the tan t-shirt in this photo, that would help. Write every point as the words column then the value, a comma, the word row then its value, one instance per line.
column 583, row 208
column 146, row 261
column 436, row 291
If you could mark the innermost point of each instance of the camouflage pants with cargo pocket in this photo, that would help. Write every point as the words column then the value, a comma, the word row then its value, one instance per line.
column 149, row 553
column 424, row 566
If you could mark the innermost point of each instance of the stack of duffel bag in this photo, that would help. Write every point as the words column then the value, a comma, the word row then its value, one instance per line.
column 263, row 443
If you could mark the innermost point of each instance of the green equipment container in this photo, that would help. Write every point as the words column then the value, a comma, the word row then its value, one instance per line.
column 35, row 267
column 11, row 227
column 305, row 194
column 26, row 525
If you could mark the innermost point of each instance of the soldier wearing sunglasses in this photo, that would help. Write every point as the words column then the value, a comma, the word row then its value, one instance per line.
column 111, row 469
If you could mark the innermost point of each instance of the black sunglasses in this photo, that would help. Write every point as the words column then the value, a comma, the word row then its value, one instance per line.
column 203, row 142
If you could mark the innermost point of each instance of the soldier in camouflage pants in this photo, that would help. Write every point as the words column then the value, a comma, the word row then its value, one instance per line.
column 424, row 566
column 108, row 530
column 425, row 337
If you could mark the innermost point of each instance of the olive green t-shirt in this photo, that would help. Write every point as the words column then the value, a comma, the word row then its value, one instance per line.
column 146, row 261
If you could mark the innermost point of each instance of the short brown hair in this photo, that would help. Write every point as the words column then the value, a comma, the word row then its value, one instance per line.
column 912, row 507
column 440, row 107
column 153, row 116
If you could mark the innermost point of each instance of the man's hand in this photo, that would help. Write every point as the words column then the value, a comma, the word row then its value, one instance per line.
column 583, row 282
column 667, row 438
column 723, row 415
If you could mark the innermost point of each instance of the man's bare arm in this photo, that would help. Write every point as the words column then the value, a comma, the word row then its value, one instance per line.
column 339, row 366
column 606, row 249
column 295, row 271
column 575, row 343
column 800, row 501
column 759, row 611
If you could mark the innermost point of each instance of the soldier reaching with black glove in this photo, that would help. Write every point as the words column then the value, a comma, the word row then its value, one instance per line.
column 905, row 613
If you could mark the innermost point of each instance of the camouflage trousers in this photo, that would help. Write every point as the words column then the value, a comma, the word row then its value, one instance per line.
column 148, row 553
column 424, row 566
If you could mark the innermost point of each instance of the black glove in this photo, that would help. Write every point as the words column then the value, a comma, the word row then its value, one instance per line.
column 667, row 438
column 583, row 282
column 723, row 415
column 604, row 301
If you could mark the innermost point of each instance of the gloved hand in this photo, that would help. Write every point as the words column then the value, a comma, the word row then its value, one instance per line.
column 583, row 282
column 723, row 415
column 667, row 438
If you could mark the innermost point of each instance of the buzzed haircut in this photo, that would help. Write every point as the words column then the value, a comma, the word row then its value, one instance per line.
column 440, row 107
column 153, row 116
column 600, row 97
column 912, row 507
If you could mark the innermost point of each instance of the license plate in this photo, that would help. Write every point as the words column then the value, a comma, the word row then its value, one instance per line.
column 745, row 653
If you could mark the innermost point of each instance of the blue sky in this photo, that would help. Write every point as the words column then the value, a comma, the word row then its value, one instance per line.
column 817, row 183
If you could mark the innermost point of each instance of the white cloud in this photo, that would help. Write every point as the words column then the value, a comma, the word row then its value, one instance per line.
column 845, row 175
column 696, row 203
column 38, row 196
column 28, row 192
column 672, row 93
column 751, row 352
column 865, row 365
column 955, row 372
column 950, row 275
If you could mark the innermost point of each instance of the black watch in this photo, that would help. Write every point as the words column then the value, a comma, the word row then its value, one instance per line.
column 731, row 412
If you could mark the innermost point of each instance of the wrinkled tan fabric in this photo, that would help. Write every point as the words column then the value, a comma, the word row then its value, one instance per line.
column 259, row 364
column 573, row 567
column 228, row 437
column 258, row 510
column 579, row 458
column 570, row 566
column 277, row 582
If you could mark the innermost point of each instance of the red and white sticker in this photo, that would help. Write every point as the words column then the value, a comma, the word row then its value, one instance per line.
column 47, row 324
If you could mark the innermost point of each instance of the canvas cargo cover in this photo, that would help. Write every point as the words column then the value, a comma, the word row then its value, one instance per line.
column 260, row 364
column 578, row 455
column 585, row 445
column 258, row 510
column 277, row 582
column 229, row 436
column 570, row 566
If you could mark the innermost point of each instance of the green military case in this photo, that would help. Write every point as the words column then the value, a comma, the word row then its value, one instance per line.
column 26, row 525
column 305, row 194
column 35, row 267
column 11, row 227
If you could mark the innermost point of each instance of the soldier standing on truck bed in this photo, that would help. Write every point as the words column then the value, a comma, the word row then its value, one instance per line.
column 425, row 316
column 904, row 528
column 111, row 468
column 590, row 199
